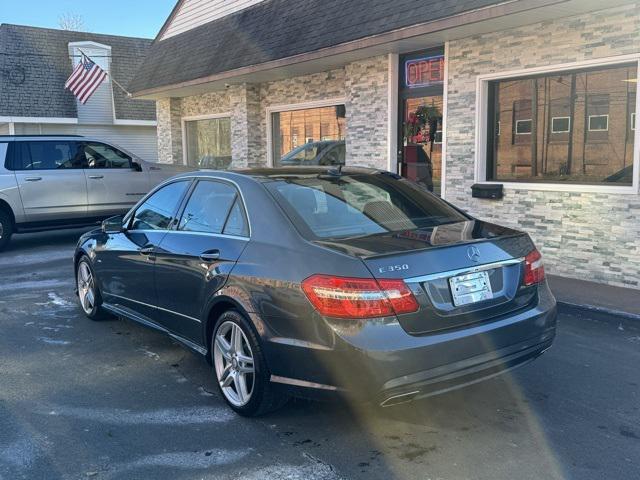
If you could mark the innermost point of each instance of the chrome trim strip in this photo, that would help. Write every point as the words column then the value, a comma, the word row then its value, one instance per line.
column 462, row 271
column 393, row 400
column 152, row 306
column 193, row 346
column 298, row 343
column 301, row 383
column 207, row 234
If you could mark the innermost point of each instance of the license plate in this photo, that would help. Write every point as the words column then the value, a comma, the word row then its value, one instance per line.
column 470, row 288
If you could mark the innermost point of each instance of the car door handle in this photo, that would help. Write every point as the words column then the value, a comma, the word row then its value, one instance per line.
column 147, row 250
column 96, row 177
column 33, row 179
column 210, row 256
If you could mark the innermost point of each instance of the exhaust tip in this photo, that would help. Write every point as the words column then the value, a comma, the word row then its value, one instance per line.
column 399, row 399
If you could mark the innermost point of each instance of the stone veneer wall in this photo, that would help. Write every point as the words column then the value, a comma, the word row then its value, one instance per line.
column 361, row 85
column 591, row 236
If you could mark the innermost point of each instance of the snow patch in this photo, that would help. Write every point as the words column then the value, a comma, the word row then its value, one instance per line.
column 53, row 341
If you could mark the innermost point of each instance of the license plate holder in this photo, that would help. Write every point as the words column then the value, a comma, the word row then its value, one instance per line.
column 470, row 288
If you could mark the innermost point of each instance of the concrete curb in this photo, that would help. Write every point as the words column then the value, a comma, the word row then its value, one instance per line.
column 568, row 307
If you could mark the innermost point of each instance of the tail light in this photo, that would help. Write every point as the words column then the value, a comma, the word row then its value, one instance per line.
column 345, row 297
column 533, row 268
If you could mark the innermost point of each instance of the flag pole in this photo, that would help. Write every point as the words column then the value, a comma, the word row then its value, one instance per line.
column 111, row 77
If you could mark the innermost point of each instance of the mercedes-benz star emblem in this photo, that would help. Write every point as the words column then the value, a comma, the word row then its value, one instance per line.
column 473, row 253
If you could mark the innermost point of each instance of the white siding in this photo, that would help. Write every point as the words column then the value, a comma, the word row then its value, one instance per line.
column 193, row 13
column 141, row 141
column 99, row 108
column 4, row 129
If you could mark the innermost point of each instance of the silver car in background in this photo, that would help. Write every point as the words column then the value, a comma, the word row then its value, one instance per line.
column 53, row 181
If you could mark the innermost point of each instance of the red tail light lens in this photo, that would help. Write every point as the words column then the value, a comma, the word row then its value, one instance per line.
column 533, row 268
column 345, row 297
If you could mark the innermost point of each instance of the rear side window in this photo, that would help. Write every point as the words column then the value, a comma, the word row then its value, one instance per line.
column 214, row 207
column 334, row 206
column 100, row 155
column 159, row 209
column 47, row 155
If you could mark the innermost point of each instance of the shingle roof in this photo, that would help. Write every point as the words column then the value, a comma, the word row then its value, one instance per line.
column 276, row 29
column 35, row 63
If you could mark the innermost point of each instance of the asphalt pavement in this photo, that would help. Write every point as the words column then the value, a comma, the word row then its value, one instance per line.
column 113, row 400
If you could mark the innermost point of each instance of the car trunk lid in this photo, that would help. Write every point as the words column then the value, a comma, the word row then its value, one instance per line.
column 461, row 273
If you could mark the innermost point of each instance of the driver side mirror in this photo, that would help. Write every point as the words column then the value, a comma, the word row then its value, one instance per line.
column 113, row 225
column 136, row 167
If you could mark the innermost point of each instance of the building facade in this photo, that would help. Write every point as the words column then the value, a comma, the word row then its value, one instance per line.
column 537, row 96
column 34, row 65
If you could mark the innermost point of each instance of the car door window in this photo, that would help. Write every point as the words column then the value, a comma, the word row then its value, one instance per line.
column 100, row 155
column 49, row 155
column 208, row 208
column 157, row 212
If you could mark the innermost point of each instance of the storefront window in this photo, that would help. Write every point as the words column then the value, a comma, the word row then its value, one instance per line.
column 208, row 143
column 421, row 107
column 312, row 136
column 569, row 127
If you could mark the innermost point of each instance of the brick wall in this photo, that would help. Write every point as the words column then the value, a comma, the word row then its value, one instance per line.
column 591, row 236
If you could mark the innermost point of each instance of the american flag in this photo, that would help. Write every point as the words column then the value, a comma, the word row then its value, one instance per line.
column 85, row 79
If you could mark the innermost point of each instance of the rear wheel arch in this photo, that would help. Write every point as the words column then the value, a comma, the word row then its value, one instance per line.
column 218, row 307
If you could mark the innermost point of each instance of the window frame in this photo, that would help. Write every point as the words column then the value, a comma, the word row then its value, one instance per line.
column 517, row 122
column 562, row 117
column 187, row 196
column 128, row 155
column 482, row 128
column 192, row 118
column 270, row 110
column 604, row 115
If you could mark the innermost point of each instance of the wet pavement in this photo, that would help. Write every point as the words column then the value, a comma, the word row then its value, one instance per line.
column 113, row 400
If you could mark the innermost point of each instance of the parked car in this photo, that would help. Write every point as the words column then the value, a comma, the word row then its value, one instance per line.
column 327, row 152
column 55, row 181
column 315, row 282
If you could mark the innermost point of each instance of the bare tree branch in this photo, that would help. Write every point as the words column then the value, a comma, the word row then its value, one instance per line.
column 71, row 21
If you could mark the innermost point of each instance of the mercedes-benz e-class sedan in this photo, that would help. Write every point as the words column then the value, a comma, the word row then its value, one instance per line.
column 316, row 282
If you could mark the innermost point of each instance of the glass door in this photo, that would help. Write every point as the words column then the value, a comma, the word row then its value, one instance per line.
column 420, row 118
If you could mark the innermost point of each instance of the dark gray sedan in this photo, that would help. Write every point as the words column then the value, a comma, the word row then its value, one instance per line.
column 321, row 282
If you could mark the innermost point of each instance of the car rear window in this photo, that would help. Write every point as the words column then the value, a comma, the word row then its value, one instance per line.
column 335, row 206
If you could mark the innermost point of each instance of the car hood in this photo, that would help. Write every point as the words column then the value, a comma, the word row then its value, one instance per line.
column 419, row 239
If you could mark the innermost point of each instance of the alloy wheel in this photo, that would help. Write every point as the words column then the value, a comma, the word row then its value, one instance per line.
column 1, row 230
column 86, row 288
column 234, row 364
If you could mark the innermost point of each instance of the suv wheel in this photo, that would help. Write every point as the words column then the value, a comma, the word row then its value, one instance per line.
column 88, row 292
column 241, row 371
column 6, row 229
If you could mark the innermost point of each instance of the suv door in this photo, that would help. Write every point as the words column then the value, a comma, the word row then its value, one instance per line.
column 113, row 185
column 195, row 259
column 126, row 261
column 50, row 179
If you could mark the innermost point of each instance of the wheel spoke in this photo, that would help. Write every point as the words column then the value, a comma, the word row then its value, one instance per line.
column 241, row 387
column 224, row 347
column 236, row 339
column 226, row 377
column 89, row 299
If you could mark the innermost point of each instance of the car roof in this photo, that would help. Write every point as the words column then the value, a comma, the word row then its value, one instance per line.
column 9, row 138
column 276, row 173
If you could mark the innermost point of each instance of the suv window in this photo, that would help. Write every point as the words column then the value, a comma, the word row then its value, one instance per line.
column 99, row 155
column 210, row 210
column 159, row 209
column 48, row 155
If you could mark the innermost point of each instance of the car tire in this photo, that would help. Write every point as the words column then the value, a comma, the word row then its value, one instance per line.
column 88, row 292
column 231, row 367
column 6, row 229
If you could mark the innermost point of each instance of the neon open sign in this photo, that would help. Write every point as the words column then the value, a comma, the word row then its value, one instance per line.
column 424, row 72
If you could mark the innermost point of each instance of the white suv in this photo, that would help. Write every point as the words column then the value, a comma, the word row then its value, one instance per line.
column 52, row 181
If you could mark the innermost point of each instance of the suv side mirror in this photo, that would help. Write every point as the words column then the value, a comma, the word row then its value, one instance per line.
column 113, row 225
column 136, row 167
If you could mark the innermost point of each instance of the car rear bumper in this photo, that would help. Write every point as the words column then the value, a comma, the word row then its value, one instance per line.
column 378, row 361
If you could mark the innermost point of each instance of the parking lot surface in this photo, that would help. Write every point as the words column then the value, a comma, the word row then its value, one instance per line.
column 113, row 400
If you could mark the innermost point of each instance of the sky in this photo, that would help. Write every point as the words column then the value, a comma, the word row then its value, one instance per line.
column 133, row 18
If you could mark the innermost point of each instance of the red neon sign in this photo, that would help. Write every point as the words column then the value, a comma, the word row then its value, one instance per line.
column 424, row 72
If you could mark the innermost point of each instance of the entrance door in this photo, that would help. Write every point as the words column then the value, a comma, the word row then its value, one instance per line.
column 420, row 118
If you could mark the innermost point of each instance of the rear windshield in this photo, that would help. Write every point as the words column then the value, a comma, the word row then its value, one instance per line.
column 338, row 206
